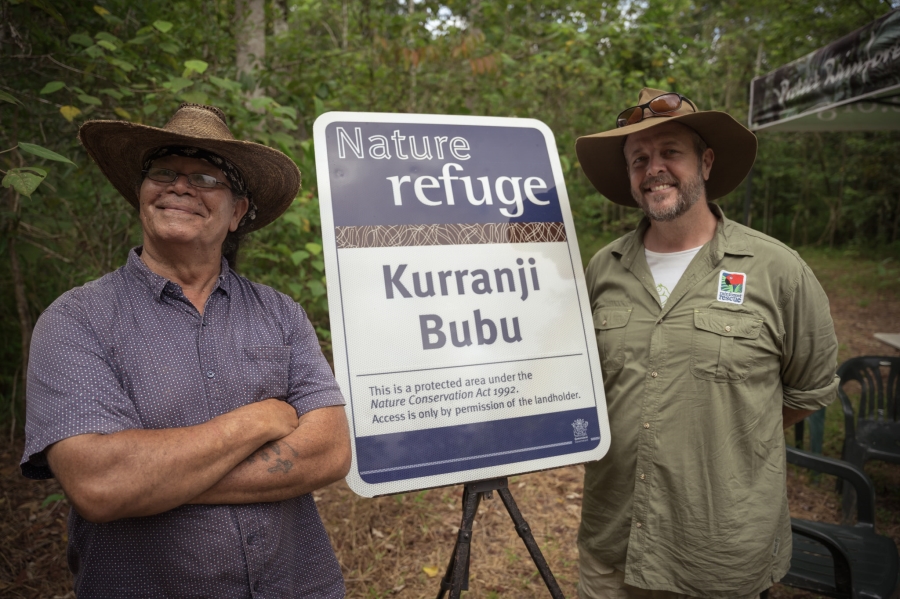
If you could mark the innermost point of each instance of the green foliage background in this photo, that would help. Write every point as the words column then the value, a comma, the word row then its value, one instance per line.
column 573, row 64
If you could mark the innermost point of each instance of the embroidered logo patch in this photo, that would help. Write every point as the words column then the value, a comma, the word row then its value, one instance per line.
column 732, row 286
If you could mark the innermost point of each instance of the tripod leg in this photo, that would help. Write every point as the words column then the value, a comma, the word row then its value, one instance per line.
column 525, row 532
column 456, row 580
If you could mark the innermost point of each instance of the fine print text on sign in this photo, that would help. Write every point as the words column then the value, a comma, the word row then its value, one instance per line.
column 463, row 339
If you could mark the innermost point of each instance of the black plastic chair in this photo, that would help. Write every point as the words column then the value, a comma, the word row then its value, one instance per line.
column 838, row 560
column 816, row 422
column 872, row 433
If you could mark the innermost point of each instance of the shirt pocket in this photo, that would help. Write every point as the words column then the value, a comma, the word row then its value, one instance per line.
column 266, row 371
column 723, row 343
column 610, row 325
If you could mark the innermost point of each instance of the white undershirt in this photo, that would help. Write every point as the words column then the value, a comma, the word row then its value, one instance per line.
column 668, row 268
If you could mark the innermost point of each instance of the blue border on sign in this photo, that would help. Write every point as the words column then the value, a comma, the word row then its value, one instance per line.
column 428, row 452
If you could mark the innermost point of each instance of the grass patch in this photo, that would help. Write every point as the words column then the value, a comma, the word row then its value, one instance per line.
column 852, row 272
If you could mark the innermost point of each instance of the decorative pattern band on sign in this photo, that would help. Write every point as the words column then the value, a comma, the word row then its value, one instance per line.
column 370, row 236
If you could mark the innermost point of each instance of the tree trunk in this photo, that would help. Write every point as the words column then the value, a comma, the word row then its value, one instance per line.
column 806, row 217
column 475, row 13
column 728, row 85
column 797, row 210
column 4, row 19
column 896, row 233
column 18, row 280
column 279, row 17
column 25, row 325
column 840, row 196
column 250, row 42
column 413, row 65
column 368, row 32
column 345, row 25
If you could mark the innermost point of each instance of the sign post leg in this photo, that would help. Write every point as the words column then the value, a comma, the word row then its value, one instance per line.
column 456, row 579
column 525, row 533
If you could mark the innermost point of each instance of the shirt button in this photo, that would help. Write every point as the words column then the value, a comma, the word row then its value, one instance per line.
column 210, row 374
column 638, row 524
column 654, row 374
column 643, row 476
column 728, row 328
column 646, row 425
column 603, row 323
column 256, row 585
column 251, row 539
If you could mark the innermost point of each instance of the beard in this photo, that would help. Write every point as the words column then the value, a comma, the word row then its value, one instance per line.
column 688, row 193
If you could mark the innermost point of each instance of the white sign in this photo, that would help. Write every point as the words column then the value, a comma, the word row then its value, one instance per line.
column 462, row 333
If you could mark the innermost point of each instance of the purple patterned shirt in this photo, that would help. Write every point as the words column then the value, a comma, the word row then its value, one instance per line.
column 129, row 351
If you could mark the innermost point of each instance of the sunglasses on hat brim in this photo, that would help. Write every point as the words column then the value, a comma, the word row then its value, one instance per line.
column 660, row 105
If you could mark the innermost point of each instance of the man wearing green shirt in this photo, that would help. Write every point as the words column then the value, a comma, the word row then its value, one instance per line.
column 712, row 338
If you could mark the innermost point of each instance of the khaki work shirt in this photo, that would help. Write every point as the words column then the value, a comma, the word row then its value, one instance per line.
column 691, row 497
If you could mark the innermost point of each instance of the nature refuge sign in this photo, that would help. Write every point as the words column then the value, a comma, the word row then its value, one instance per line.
column 463, row 338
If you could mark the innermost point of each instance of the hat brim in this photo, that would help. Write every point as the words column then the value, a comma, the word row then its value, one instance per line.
column 120, row 148
column 603, row 161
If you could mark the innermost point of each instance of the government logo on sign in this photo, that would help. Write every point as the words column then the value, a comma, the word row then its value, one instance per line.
column 579, row 428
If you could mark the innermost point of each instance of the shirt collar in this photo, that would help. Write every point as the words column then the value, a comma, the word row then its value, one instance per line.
column 728, row 239
column 225, row 275
column 157, row 283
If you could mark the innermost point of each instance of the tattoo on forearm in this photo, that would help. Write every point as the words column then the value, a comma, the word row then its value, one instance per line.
column 281, row 466
column 272, row 451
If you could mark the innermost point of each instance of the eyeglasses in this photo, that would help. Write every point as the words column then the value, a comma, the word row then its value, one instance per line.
column 164, row 175
column 664, row 104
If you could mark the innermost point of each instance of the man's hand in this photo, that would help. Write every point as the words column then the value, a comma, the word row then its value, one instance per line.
column 142, row 472
column 316, row 454
column 282, row 417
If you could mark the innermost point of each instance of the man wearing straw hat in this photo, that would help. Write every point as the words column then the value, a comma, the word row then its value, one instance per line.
column 712, row 338
column 186, row 411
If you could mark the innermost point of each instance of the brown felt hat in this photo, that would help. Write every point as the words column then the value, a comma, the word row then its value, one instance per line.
column 603, row 161
column 120, row 149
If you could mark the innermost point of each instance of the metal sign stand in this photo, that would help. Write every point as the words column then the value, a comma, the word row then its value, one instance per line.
column 456, row 579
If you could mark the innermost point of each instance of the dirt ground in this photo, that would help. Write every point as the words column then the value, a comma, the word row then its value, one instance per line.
column 399, row 546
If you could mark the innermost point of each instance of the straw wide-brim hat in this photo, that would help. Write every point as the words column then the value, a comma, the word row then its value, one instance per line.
column 120, row 149
column 603, row 161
